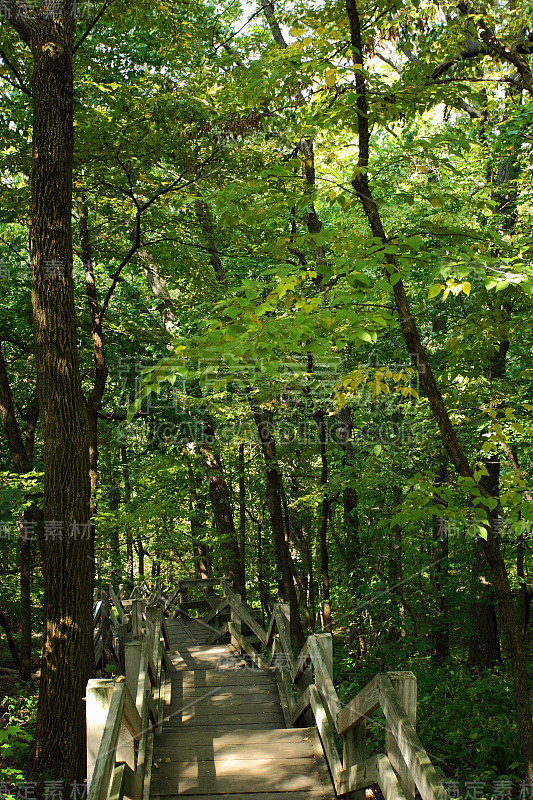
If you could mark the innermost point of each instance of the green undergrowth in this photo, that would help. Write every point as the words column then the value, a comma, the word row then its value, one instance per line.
column 465, row 719
column 18, row 705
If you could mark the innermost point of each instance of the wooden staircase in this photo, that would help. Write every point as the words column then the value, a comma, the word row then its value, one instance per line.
column 220, row 706
column 224, row 731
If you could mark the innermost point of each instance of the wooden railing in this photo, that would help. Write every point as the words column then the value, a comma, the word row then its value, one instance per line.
column 123, row 713
column 308, row 696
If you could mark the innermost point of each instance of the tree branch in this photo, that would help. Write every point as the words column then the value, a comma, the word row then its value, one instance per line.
column 20, row 83
column 91, row 25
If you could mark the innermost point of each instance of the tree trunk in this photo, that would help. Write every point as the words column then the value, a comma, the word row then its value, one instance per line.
column 484, row 645
column 350, row 505
column 277, row 521
column 324, row 516
column 21, row 454
column 127, row 499
column 158, row 287
column 440, row 630
column 94, row 401
column 10, row 641
column 205, row 221
column 265, row 606
column 31, row 515
column 141, row 552
column 68, row 658
column 15, row 441
column 196, row 517
column 523, row 592
column 222, row 510
column 242, row 510
column 395, row 569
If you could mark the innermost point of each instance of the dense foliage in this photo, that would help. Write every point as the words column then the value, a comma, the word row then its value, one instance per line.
column 230, row 292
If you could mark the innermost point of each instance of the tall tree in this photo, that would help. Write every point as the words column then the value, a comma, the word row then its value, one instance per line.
column 68, row 659
column 413, row 341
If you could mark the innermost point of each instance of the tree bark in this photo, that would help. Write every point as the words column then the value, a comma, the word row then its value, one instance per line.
column 395, row 569
column 205, row 221
column 31, row 515
column 94, row 401
column 158, row 287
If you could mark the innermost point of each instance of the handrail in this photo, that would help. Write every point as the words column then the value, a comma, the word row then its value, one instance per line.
column 123, row 713
column 307, row 694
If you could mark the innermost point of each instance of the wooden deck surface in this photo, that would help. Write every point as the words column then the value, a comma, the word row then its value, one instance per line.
column 224, row 732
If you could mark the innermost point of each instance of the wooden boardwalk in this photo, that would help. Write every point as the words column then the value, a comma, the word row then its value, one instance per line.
column 224, row 731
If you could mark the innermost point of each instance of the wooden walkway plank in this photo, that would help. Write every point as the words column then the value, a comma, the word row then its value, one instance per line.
column 314, row 794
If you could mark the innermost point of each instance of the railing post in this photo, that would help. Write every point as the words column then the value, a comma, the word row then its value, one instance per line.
column 184, row 596
column 97, row 700
column 132, row 659
column 151, row 621
column 107, row 636
column 137, row 617
column 122, row 632
column 236, row 624
column 404, row 684
column 354, row 752
column 325, row 645
column 305, row 680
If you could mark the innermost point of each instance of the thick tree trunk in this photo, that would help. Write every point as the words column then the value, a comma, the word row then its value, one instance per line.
column 484, row 644
column 68, row 658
